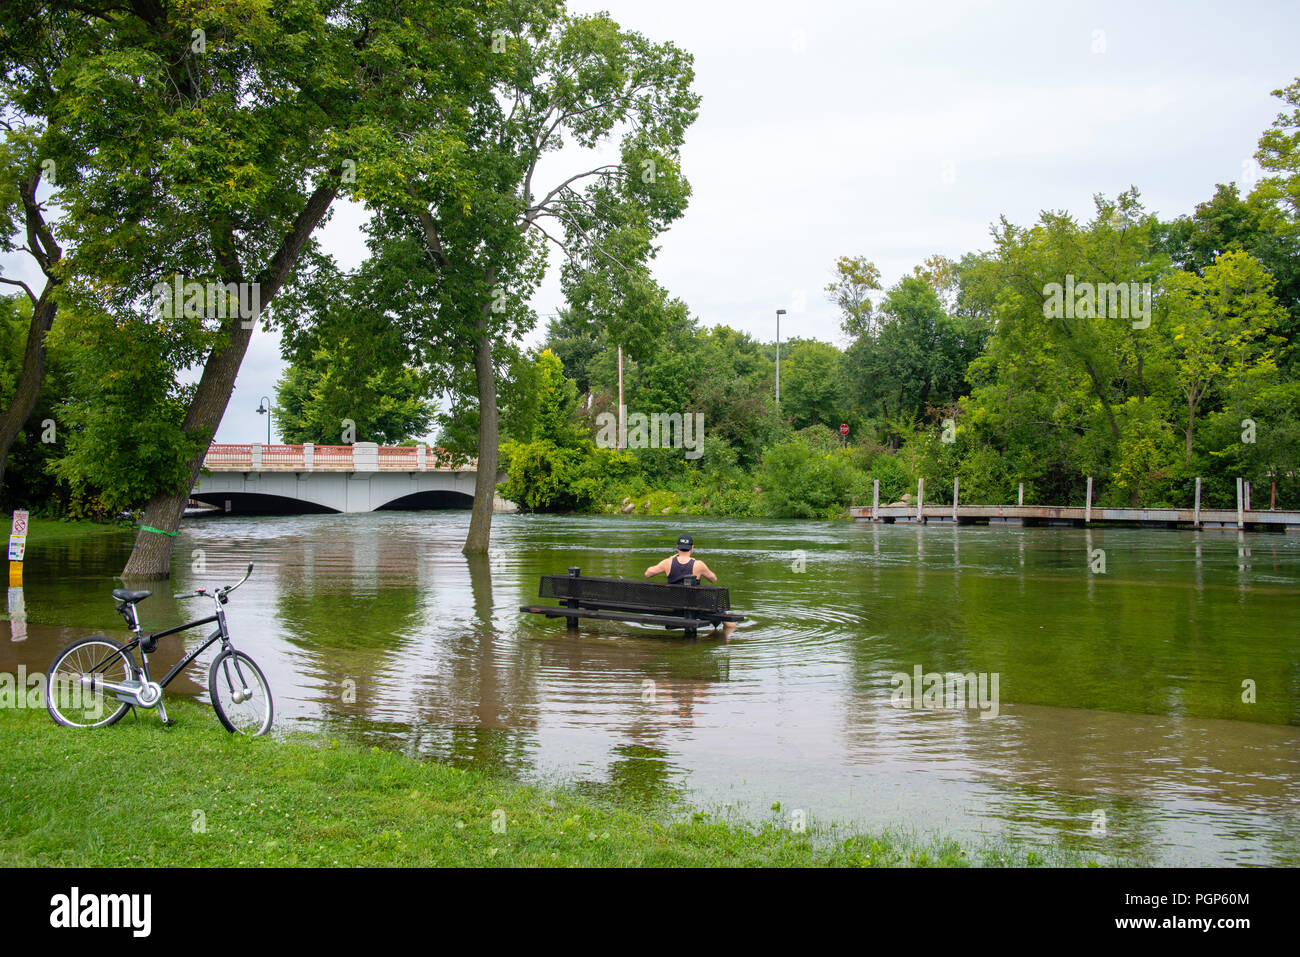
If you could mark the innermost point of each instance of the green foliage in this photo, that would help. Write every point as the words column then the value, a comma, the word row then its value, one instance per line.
column 812, row 384
column 542, row 477
column 28, row 483
column 1279, row 151
column 799, row 481
column 914, row 360
column 556, row 404
column 545, row 477
column 855, row 278
column 342, row 384
column 577, row 342
column 125, row 440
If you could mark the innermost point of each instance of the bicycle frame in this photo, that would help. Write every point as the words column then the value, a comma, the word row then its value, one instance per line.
column 144, row 691
column 221, row 633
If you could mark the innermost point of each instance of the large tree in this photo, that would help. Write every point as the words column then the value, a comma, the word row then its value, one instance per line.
column 1217, row 326
column 204, row 143
column 914, row 359
column 468, row 228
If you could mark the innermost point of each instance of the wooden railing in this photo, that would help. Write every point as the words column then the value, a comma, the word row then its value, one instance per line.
column 362, row 457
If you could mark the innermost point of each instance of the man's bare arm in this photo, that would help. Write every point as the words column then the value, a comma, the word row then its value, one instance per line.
column 705, row 571
column 659, row 569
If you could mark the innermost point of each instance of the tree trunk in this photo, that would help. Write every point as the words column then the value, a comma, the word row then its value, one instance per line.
column 151, row 557
column 43, row 247
column 28, row 391
column 1100, row 393
column 485, row 480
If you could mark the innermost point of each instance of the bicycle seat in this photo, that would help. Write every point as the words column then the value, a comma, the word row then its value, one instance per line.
column 130, row 597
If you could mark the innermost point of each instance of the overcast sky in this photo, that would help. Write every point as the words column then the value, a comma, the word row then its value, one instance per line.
column 899, row 130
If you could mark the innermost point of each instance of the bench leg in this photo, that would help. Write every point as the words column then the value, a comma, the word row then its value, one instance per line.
column 571, row 622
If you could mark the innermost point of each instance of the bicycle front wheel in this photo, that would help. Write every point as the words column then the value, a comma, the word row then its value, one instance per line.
column 240, row 694
column 77, row 703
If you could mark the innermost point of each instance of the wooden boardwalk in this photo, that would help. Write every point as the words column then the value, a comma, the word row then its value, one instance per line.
column 1079, row 516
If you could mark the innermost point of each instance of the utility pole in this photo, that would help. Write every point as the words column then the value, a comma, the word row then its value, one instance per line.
column 779, row 314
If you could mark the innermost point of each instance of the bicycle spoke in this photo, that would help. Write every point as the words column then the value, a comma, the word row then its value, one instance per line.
column 240, row 694
column 68, row 698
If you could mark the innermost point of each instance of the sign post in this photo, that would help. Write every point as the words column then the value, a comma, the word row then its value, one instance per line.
column 17, row 547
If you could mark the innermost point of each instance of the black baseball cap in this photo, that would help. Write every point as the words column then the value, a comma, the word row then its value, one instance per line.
column 685, row 543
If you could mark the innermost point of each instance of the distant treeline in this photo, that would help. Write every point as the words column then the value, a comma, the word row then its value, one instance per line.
column 1139, row 351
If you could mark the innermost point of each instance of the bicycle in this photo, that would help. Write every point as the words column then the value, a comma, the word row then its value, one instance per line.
column 86, row 671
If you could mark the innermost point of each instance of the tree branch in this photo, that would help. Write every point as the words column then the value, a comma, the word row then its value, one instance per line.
column 432, row 242
column 19, row 282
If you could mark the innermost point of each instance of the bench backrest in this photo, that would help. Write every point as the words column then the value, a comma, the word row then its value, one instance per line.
column 620, row 593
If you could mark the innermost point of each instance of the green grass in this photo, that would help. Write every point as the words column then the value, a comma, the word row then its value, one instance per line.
column 139, row 794
column 51, row 529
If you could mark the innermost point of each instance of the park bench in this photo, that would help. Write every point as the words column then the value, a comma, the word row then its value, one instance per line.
column 685, row 605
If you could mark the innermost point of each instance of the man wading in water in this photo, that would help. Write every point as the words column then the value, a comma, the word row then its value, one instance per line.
column 681, row 565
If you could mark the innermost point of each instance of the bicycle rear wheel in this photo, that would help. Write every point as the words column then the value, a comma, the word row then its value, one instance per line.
column 70, row 701
column 240, row 694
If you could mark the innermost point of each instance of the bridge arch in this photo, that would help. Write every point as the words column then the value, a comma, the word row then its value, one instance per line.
column 260, row 503
column 428, row 499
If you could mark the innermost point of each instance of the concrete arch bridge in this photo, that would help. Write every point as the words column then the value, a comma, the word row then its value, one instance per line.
column 365, row 477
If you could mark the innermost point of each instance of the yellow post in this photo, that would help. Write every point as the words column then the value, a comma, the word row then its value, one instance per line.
column 15, row 574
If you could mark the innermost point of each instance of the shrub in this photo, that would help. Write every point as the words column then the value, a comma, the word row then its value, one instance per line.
column 800, row 482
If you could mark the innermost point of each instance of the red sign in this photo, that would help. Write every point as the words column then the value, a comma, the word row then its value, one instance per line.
column 844, row 428
column 20, row 524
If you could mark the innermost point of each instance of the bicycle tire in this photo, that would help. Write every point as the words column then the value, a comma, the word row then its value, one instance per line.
column 113, row 657
column 234, row 715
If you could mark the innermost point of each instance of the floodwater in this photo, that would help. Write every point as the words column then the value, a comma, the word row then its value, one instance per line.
column 1148, row 713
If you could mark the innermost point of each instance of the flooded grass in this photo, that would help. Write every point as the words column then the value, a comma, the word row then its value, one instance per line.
column 54, row 529
column 139, row 794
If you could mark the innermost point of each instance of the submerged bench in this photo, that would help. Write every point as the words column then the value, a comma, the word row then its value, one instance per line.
column 685, row 605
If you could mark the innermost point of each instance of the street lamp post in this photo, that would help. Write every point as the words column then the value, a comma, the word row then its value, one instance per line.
column 779, row 314
column 265, row 409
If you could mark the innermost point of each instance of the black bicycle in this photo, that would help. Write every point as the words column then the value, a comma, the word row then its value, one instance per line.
column 96, row 674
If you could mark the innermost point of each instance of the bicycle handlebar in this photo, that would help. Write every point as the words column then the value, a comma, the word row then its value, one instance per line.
column 247, row 575
column 204, row 593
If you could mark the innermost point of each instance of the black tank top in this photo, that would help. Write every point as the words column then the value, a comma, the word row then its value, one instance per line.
column 679, row 571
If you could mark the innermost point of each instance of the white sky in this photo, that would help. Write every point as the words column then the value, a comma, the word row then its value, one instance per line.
column 897, row 130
